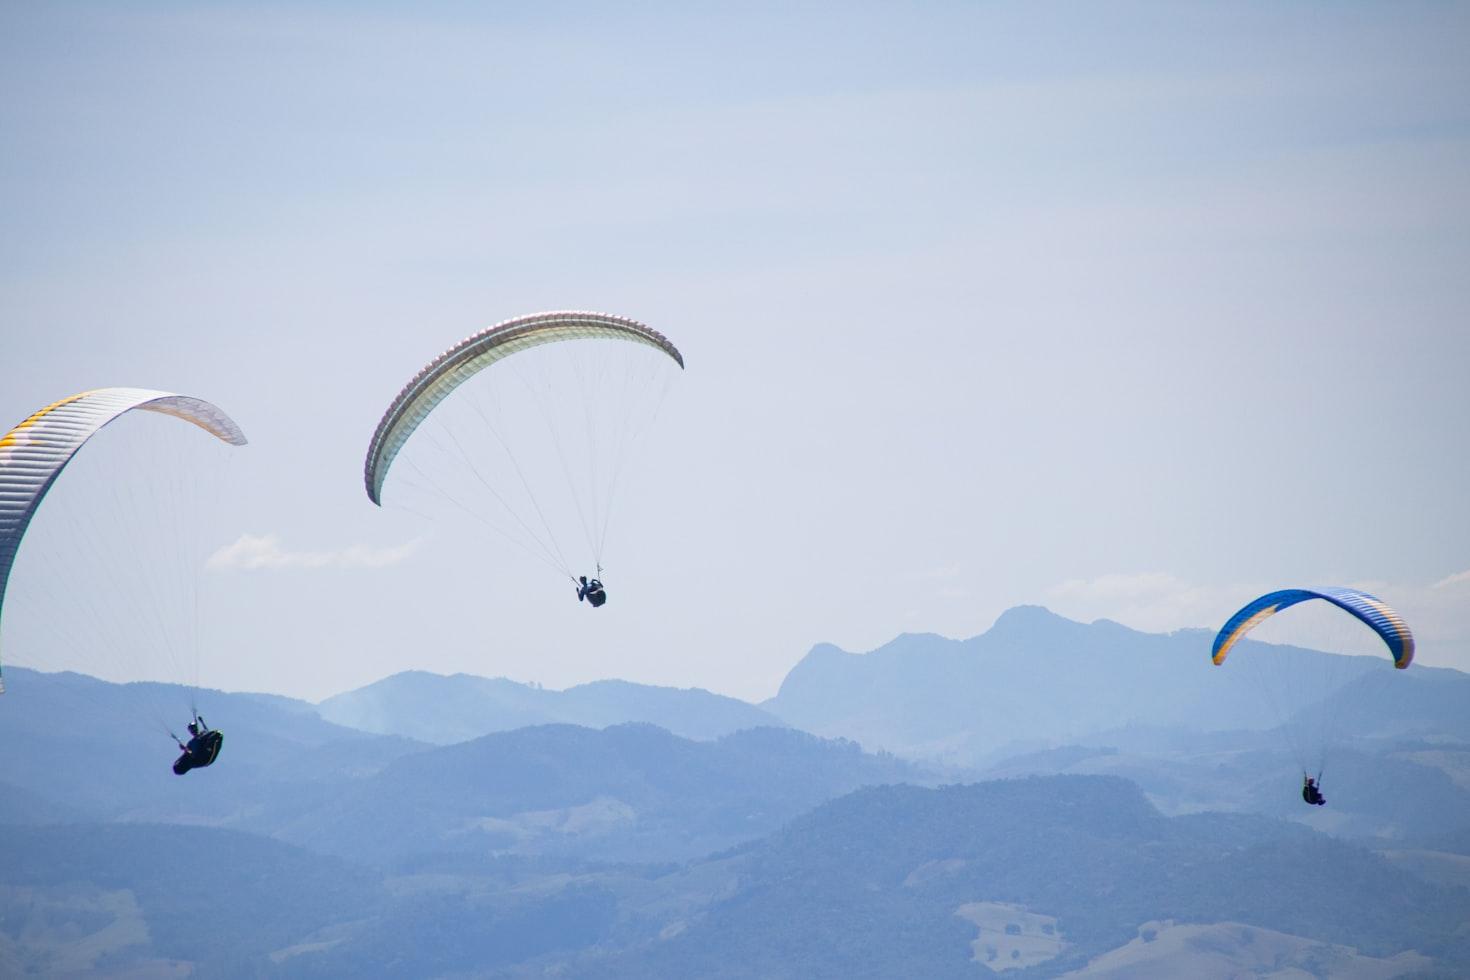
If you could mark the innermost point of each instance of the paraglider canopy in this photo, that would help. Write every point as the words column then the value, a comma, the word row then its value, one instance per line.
column 1371, row 610
column 475, row 353
column 33, row 454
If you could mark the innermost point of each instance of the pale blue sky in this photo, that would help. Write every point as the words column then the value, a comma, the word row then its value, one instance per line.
column 1128, row 310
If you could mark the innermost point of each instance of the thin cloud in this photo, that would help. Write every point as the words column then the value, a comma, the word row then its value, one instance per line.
column 1449, row 581
column 252, row 551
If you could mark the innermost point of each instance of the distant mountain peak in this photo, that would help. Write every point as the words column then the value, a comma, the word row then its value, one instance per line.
column 916, row 637
column 444, row 709
column 1030, row 617
column 1112, row 625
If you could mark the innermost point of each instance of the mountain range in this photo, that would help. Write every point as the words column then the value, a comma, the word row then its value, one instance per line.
column 1036, row 679
column 443, row 710
column 1048, row 799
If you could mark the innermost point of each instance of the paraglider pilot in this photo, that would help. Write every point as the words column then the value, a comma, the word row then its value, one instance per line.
column 204, row 744
column 1311, row 794
column 592, row 591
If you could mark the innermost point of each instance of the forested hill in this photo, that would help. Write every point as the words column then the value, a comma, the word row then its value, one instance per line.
column 1047, row 874
column 624, row 793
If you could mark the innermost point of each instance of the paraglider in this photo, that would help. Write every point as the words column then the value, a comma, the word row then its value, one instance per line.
column 1306, row 716
column 575, row 407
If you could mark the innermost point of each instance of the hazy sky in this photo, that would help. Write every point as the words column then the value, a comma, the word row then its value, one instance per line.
column 1131, row 310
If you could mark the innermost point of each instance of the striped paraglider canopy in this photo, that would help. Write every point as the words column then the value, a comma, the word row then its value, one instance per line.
column 1371, row 610
column 33, row 454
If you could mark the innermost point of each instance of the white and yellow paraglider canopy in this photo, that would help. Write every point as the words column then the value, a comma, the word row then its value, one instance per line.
column 472, row 355
column 33, row 454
